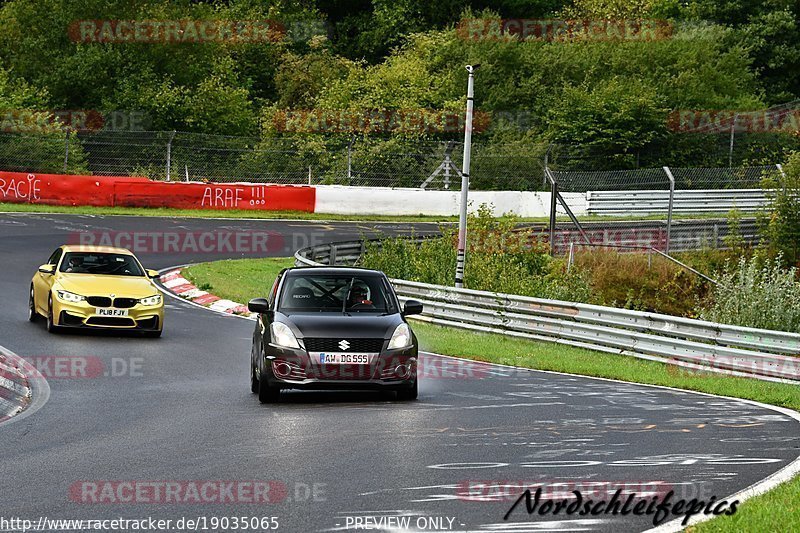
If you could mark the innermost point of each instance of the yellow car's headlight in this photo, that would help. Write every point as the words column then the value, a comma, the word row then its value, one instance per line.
column 151, row 300
column 69, row 297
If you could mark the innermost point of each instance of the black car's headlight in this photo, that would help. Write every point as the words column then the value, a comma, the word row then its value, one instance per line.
column 282, row 335
column 401, row 338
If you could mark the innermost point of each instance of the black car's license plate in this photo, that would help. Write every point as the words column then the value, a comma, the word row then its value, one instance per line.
column 343, row 358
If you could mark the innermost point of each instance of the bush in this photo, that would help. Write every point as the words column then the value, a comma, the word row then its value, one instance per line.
column 780, row 224
column 756, row 293
column 634, row 281
column 500, row 258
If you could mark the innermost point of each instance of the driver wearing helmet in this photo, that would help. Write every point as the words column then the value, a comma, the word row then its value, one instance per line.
column 358, row 296
column 75, row 264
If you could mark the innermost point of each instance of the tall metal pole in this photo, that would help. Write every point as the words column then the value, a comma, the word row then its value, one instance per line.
column 669, row 206
column 733, row 133
column 553, row 199
column 462, row 216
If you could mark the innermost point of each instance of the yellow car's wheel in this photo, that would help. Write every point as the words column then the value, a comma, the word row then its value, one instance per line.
column 51, row 327
column 32, row 315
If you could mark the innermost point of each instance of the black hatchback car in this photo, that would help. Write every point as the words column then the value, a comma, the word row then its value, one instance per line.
column 333, row 328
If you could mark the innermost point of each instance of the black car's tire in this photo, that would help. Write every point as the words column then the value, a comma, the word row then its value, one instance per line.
column 51, row 327
column 32, row 314
column 253, row 379
column 408, row 394
column 267, row 394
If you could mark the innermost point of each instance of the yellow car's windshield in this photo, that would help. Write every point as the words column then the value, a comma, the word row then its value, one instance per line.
column 100, row 263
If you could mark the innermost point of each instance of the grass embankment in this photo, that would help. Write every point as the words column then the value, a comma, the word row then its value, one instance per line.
column 242, row 279
column 214, row 213
column 239, row 280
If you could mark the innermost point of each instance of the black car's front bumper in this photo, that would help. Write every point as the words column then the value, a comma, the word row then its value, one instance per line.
column 288, row 368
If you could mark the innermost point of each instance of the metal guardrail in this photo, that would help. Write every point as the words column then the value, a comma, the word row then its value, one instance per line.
column 685, row 235
column 696, row 344
column 685, row 201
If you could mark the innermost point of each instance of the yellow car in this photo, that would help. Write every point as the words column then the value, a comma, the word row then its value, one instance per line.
column 96, row 287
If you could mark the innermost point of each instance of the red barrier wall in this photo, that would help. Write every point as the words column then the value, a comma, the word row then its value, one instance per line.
column 58, row 189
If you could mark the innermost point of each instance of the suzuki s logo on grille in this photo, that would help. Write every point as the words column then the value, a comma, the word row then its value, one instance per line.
column 344, row 345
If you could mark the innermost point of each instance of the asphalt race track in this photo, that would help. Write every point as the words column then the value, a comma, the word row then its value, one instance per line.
column 179, row 409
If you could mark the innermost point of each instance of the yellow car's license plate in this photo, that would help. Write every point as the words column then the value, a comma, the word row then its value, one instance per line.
column 107, row 311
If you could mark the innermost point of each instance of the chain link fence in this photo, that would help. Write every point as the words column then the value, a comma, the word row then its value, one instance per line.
column 382, row 161
column 669, row 209
column 315, row 160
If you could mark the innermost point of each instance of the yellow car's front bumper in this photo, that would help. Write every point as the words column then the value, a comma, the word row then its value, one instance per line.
column 83, row 314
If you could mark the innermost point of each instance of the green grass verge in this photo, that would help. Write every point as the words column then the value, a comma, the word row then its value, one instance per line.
column 777, row 510
column 239, row 280
column 294, row 215
column 211, row 213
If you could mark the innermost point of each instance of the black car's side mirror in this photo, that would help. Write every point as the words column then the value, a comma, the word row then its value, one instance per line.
column 412, row 307
column 258, row 305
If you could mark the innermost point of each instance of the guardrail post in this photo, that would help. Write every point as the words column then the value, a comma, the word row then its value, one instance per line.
column 169, row 152
column 669, row 208
column 332, row 255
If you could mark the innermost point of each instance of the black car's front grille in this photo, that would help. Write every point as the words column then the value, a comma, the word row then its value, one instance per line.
column 348, row 346
column 344, row 372
column 125, row 303
column 99, row 301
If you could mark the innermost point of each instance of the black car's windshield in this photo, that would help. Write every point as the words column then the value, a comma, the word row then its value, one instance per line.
column 336, row 294
column 100, row 263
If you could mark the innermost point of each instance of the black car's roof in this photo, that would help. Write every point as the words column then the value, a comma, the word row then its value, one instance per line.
column 337, row 271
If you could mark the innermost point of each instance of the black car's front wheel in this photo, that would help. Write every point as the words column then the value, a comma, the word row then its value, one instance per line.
column 409, row 393
column 253, row 379
column 267, row 394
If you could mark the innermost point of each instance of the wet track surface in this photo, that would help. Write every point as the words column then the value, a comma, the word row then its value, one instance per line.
column 179, row 409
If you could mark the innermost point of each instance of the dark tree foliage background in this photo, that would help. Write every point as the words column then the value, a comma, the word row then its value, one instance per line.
column 361, row 55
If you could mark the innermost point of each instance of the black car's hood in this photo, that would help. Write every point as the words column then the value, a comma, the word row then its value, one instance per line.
column 357, row 325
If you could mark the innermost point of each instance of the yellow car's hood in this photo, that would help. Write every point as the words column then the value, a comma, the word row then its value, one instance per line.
column 103, row 285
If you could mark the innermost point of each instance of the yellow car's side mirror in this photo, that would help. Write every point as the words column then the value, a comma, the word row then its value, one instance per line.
column 47, row 269
column 152, row 274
